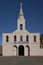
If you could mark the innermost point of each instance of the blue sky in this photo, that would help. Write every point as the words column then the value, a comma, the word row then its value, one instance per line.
column 9, row 11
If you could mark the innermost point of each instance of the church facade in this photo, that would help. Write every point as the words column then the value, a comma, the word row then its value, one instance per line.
column 21, row 42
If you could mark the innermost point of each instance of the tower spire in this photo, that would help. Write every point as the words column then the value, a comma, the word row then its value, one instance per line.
column 21, row 11
column 21, row 19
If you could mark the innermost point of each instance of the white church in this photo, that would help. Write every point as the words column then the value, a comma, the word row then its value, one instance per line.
column 21, row 42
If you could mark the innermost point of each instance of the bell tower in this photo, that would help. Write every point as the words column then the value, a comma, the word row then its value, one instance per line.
column 21, row 19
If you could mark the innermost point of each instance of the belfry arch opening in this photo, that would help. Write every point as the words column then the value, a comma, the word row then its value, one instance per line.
column 21, row 50
column 21, row 26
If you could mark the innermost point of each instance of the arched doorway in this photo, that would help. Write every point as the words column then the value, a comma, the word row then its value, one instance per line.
column 14, row 50
column 21, row 50
column 27, row 50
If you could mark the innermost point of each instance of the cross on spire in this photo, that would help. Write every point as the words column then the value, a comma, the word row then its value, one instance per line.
column 21, row 4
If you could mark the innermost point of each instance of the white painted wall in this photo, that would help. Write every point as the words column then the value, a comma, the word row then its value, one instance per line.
column 34, row 46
